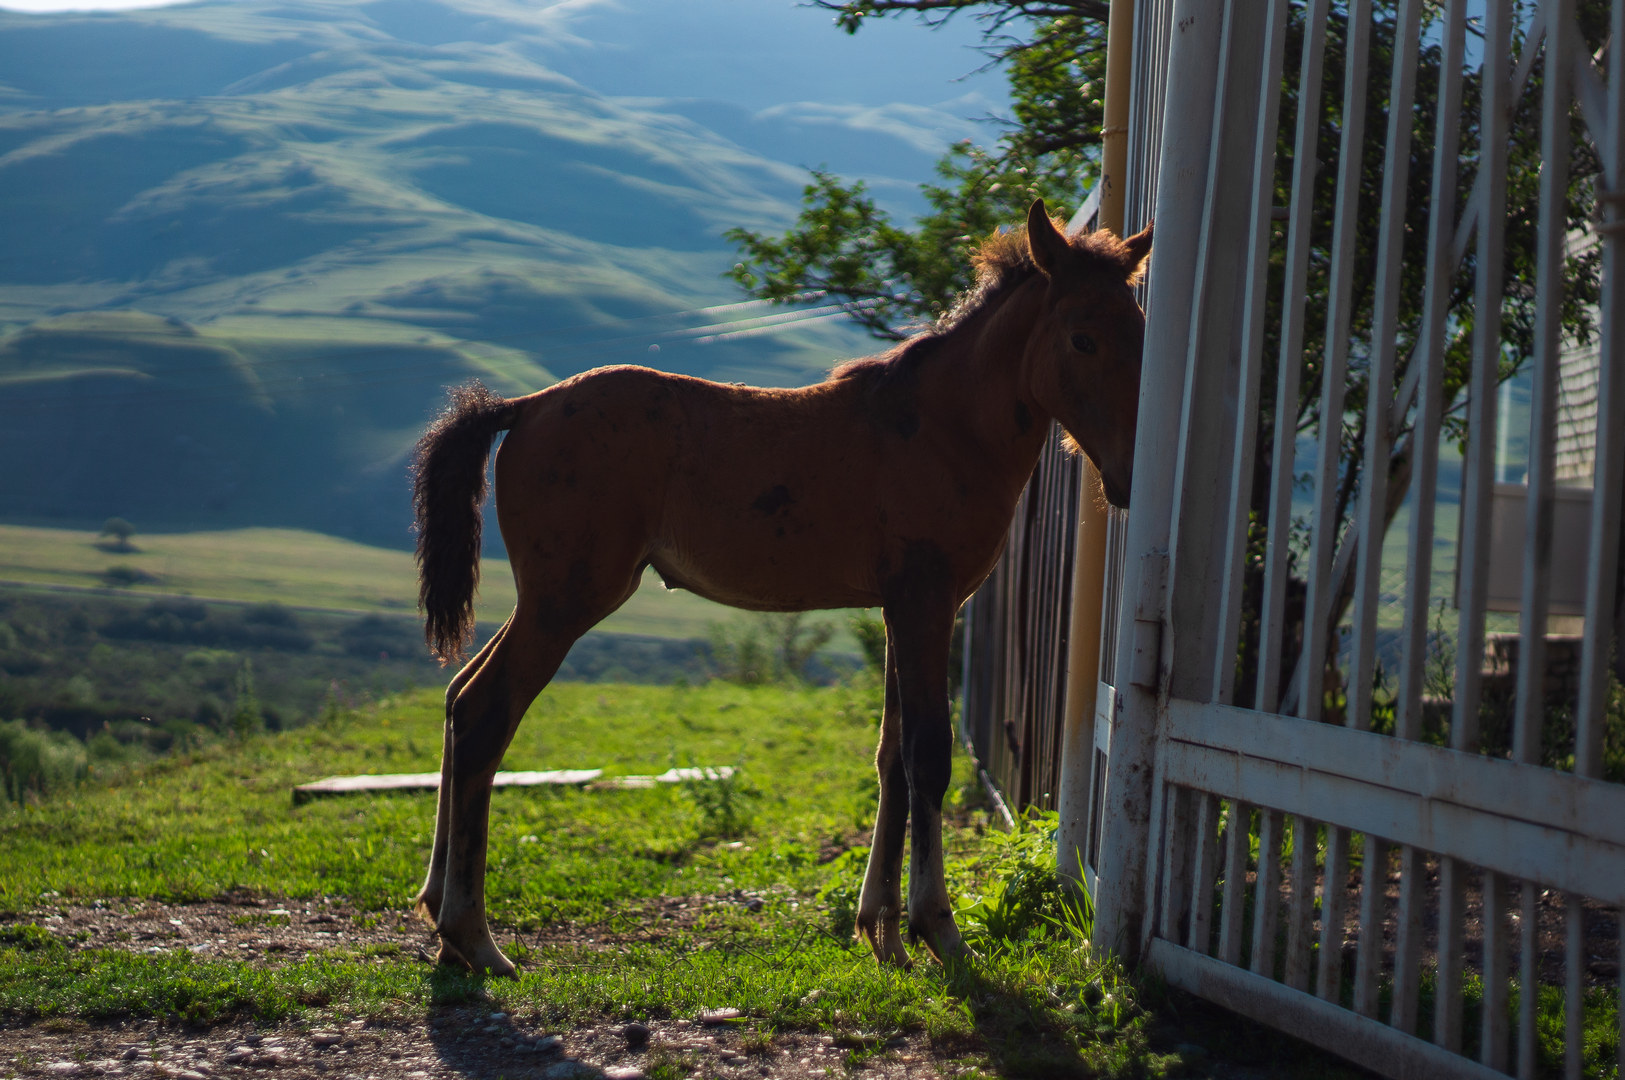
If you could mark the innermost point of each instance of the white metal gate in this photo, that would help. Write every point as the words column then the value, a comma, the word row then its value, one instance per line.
column 1427, row 890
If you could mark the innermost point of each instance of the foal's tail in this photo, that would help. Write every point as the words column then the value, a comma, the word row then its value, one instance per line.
column 448, row 489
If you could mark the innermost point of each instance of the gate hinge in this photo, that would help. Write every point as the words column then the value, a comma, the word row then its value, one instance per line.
column 1150, row 605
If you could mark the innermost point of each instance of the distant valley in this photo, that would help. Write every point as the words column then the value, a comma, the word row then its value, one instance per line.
column 247, row 243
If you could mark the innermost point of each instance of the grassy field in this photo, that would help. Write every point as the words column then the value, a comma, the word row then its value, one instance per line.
column 304, row 570
column 578, row 881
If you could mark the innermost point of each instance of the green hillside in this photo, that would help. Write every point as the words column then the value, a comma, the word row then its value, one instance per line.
column 301, row 570
column 248, row 244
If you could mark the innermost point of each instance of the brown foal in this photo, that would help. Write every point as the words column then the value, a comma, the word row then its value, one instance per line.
column 891, row 483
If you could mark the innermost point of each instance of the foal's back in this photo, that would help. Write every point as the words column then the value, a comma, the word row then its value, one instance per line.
column 773, row 499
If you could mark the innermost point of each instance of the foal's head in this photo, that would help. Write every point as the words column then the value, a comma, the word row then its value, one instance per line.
column 1083, row 354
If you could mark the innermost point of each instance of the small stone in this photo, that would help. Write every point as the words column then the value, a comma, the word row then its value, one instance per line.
column 756, row 904
column 719, row 1016
column 253, row 1040
column 326, row 1038
column 549, row 1045
column 623, row 1072
column 239, row 1055
column 569, row 1070
column 131, row 1054
column 64, row 1068
column 191, row 1074
column 497, row 1016
column 636, row 1034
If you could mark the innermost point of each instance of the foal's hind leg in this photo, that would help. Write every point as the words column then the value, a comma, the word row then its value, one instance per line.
column 484, row 716
column 549, row 618
column 427, row 902
column 919, row 621
column 880, row 905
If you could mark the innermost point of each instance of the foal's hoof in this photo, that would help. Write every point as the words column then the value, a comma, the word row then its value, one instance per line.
column 945, row 944
column 426, row 907
column 485, row 959
column 887, row 944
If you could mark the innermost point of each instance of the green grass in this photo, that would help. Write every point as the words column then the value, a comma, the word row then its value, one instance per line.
column 220, row 820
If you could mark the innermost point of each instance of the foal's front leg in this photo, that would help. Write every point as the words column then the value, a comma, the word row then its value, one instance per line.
column 880, row 905
column 919, row 622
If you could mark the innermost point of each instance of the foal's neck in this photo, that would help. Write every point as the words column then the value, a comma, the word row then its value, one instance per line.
column 990, row 382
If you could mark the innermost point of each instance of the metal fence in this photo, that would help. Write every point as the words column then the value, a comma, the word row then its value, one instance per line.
column 1425, row 885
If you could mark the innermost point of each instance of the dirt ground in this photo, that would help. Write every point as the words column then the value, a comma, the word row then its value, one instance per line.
column 464, row 1042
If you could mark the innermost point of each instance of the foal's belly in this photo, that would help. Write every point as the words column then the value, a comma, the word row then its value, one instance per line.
column 776, row 577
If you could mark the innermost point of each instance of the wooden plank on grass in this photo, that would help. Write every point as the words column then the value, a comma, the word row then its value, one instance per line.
column 430, row 781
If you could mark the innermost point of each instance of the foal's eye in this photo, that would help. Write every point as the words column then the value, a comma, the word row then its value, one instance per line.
column 1083, row 343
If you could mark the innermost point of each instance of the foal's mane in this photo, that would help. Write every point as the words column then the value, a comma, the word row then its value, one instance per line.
column 1003, row 263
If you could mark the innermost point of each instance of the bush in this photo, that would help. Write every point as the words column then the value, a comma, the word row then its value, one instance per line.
column 768, row 647
column 38, row 763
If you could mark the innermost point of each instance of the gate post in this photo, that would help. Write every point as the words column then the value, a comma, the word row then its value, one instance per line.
column 1089, row 551
column 1193, row 63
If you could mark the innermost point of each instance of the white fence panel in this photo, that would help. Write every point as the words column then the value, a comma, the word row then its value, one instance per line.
column 1311, row 801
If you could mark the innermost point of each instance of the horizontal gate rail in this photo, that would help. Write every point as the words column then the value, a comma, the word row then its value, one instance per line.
column 1360, row 1039
column 1562, row 831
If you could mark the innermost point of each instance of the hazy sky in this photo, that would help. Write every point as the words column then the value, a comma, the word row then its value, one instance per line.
column 81, row 5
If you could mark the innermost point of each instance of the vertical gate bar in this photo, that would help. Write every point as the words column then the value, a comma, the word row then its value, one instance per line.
column 1451, row 921
column 1528, row 977
column 1345, row 243
column 1373, row 904
column 1233, row 582
column 1537, row 556
column 1574, row 960
column 1333, row 897
column 1371, row 516
column 1232, row 907
column 1430, row 355
column 1203, row 868
column 1408, row 940
column 1473, row 558
column 1267, row 894
column 1419, row 554
column 1207, row 426
column 1473, row 561
column 1185, row 149
column 1447, row 994
column 1608, row 472
column 1272, row 609
column 1302, row 908
column 1324, row 536
column 1492, row 1049
column 1176, row 883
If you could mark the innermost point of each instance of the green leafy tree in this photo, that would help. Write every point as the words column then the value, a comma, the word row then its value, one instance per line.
column 120, row 532
column 892, row 277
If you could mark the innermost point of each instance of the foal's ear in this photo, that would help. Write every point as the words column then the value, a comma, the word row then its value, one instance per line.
column 1044, row 240
column 1139, row 250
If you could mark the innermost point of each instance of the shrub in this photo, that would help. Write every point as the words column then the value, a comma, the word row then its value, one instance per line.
column 38, row 763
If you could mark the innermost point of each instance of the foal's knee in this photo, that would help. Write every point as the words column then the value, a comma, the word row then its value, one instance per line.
column 929, row 761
